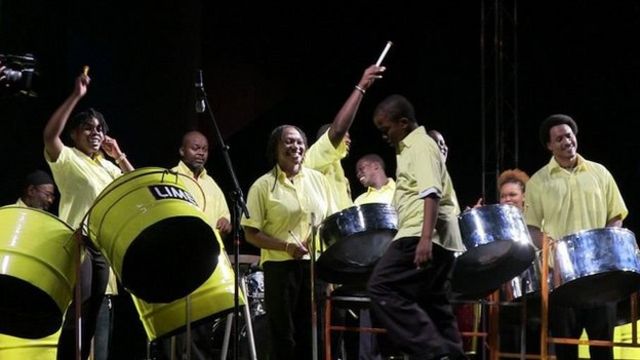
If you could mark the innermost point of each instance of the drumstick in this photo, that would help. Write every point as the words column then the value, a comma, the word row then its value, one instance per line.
column 85, row 70
column 384, row 53
column 295, row 238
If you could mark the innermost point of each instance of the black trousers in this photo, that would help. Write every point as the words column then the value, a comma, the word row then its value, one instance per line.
column 287, row 295
column 413, row 304
column 599, row 323
column 95, row 275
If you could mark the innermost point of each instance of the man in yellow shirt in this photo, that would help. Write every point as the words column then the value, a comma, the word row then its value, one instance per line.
column 194, row 153
column 568, row 195
column 408, row 287
column 81, row 173
column 39, row 192
column 333, row 140
column 370, row 172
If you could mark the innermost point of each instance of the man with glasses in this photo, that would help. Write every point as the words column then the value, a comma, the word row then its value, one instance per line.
column 38, row 192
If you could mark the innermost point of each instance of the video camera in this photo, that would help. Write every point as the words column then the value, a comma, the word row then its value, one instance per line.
column 18, row 73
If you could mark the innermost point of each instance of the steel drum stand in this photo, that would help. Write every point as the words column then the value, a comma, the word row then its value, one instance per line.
column 239, row 205
column 314, row 307
column 249, row 323
column 78, row 294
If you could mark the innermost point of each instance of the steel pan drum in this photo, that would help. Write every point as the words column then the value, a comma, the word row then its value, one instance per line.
column 595, row 266
column 528, row 283
column 499, row 247
column 154, row 235
column 213, row 298
column 356, row 237
column 37, row 271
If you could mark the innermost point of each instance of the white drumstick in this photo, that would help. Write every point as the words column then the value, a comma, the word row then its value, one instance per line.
column 384, row 53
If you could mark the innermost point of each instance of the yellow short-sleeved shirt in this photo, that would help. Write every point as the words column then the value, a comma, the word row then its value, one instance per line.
column 214, row 200
column 21, row 203
column 421, row 172
column 278, row 206
column 383, row 195
column 324, row 157
column 80, row 179
column 562, row 202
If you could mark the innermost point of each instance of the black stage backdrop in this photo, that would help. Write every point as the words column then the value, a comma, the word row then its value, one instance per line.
column 271, row 63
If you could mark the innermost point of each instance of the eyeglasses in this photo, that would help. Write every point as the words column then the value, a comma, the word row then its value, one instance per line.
column 48, row 194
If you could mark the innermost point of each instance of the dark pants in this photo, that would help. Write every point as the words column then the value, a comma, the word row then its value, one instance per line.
column 568, row 322
column 412, row 304
column 95, row 275
column 287, row 295
column 201, row 347
column 104, row 326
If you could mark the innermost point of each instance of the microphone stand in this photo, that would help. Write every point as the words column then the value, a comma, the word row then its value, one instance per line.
column 239, row 209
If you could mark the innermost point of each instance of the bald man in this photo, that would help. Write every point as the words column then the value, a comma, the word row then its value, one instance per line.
column 194, row 153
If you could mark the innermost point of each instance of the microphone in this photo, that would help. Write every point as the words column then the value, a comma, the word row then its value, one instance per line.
column 200, row 104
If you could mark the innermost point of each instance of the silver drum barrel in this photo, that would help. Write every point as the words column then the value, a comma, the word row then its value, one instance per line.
column 499, row 247
column 595, row 266
column 528, row 283
column 355, row 239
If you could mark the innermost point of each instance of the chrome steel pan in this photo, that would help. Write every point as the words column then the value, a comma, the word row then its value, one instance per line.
column 355, row 239
column 595, row 266
column 499, row 247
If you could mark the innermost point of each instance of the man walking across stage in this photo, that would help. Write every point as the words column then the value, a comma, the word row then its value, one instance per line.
column 408, row 287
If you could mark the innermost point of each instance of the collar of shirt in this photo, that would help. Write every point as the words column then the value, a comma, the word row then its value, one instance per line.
column 97, row 157
column 386, row 186
column 411, row 138
column 554, row 166
column 184, row 169
column 281, row 176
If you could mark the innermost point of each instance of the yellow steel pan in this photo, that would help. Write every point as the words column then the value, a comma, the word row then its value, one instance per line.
column 213, row 298
column 154, row 235
column 14, row 348
column 37, row 271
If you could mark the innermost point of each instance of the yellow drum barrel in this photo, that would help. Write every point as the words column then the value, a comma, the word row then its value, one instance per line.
column 37, row 271
column 214, row 297
column 13, row 348
column 154, row 235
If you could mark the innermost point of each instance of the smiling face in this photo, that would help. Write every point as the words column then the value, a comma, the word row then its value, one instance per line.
column 88, row 136
column 563, row 144
column 290, row 151
column 512, row 193
column 365, row 171
column 442, row 145
column 40, row 196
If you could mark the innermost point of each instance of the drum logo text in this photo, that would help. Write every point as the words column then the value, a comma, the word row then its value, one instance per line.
column 171, row 192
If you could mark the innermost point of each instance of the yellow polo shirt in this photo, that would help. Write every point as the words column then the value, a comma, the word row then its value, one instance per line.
column 324, row 157
column 80, row 179
column 21, row 203
column 562, row 202
column 383, row 195
column 278, row 206
column 214, row 200
column 420, row 172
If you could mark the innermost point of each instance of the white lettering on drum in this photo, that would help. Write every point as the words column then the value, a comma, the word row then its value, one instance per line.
column 171, row 192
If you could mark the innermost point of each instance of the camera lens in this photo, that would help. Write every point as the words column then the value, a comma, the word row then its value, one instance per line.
column 12, row 75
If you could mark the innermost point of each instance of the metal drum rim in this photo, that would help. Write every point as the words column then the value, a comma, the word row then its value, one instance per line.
column 483, row 208
column 582, row 233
